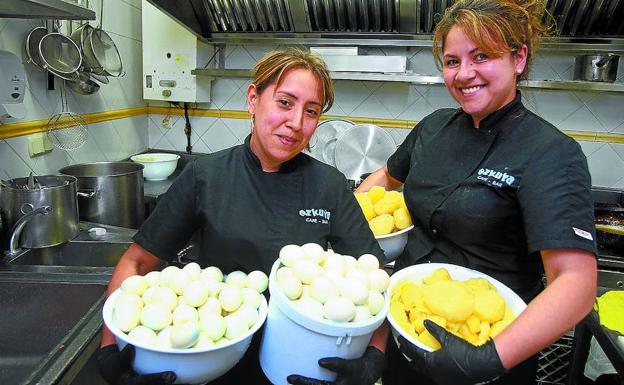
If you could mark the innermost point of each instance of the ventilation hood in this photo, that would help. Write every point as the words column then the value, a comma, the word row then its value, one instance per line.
column 378, row 19
column 44, row 9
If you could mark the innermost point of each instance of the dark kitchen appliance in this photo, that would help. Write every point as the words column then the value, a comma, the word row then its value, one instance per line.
column 609, row 210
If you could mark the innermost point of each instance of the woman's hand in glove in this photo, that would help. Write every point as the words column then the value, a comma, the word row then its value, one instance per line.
column 457, row 361
column 115, row 367
column 359, row 371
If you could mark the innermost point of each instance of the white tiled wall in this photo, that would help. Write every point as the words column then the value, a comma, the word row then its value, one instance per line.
column 112, row 140
column 568, row 110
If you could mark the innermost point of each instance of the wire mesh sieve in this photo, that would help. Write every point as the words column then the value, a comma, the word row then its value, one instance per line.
column 67, row 130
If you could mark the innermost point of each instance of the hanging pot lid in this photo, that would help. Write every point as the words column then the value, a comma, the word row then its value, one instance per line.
column 363, row 148
column 323, row 142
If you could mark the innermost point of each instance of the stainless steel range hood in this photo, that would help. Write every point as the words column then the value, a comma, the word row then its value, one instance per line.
column 384, row 19
column 44, row 9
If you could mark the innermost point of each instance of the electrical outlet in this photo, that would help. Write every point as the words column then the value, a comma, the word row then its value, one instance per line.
column 166, row 123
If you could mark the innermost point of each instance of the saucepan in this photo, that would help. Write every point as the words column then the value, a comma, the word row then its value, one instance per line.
column 596, row 68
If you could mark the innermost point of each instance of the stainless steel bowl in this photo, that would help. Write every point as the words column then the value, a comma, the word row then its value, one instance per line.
column 83, row 85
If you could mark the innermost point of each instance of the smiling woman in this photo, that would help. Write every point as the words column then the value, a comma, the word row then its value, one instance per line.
column 248, row 201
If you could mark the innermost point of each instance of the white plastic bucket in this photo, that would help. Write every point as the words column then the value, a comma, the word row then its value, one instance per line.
column 293, row 342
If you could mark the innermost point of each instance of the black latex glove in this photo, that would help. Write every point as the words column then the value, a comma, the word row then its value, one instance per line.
column 457, row 361
column 115, row 367
column 359, row 371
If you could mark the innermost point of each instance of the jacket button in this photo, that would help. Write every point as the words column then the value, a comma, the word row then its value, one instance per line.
column 434, row 231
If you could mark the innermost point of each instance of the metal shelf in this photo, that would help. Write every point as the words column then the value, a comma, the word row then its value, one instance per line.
column 549, row 44
column 44, row 9
column 429, row 79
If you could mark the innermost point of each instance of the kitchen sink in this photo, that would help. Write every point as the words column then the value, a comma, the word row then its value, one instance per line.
column 103, row 254
column 36, row 320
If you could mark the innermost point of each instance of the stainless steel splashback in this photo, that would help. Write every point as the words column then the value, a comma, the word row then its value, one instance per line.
column 358, row 18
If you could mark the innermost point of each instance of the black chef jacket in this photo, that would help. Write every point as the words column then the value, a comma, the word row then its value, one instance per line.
column 246, row 215
column 490, row 198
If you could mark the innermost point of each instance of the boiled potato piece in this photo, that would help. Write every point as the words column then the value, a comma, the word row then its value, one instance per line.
column 426, row 338
column 386, row 205
column 376, row 193
column 382, row 225
column 489, row 306
column 449, row 299
column 402, row 219
column 437, row 276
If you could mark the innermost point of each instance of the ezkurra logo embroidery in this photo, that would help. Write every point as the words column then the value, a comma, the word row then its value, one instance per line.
column 495, row 178
column 315, row 215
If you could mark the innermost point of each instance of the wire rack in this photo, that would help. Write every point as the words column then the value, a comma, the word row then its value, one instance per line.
column 554, row 362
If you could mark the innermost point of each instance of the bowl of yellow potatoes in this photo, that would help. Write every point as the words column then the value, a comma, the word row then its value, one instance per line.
column 388, row 218
column 467, row 303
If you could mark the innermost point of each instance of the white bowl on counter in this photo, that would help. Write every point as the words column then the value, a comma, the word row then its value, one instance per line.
column 393, row 244
column 193, row 365
column 157, row 165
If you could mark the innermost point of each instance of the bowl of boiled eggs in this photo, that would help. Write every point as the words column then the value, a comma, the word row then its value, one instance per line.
column 180, row 319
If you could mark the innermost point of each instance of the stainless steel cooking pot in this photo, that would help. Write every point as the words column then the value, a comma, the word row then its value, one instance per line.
column 596, row 68
column 109, row 192
column 48, row 211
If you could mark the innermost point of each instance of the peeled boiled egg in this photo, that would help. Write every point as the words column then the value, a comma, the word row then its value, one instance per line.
column 355, row 291
column 375, row 302
column 178, row 281
column 350, row 262
column 378, row 280
column 193, row 270
column 248, row 313
column 142, row 335
column 282, row 271
column 163, row 339
column 368, row 262
column 323, row 288
column 184, row 314
column 339, row 309
column 134, row 284
column 184, row 335
column 290, row 254
column 203, row 341
column 196, row 293
column 307, row 270
column 237, row 278
column 152, row 278
column 357, row 275
column 251, row 297
column 156, row 317
column 213, row 325
column 165, row 274
column 235, row 326
column 214, row 287
column 164, row 296
column 126, row 315
column 212, row 306
column 314, row 251
column 291, row 286
column 310, row 307
column 212, row 272
column 361, row 313
column 258, row 281
column 230, row 297
column 335, row 263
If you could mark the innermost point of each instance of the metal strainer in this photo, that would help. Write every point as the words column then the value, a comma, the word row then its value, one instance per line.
column 67, row 130
column 59, row 53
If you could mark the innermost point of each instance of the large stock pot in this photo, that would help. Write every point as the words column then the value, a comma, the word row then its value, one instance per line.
column 47, row 210
column 109, row 192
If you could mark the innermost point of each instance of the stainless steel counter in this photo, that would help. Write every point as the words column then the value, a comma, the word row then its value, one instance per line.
column 51, row 306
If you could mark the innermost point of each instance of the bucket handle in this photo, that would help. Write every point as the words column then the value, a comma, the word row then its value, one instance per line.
column 346, row 337
column 86, row 193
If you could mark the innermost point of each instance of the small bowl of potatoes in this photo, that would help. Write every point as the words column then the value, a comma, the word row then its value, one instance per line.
column 467, row 303
column 388, row 218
